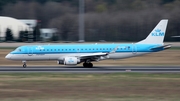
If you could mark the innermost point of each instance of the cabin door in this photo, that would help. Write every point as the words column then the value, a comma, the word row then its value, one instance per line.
column 30, row 51
column 134, row 48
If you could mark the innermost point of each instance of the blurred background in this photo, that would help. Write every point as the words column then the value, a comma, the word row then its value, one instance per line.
column 104, row 20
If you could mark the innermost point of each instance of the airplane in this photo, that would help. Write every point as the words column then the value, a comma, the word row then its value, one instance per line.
column 73, row 54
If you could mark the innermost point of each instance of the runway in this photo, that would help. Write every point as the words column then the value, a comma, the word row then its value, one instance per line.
column 97, row 69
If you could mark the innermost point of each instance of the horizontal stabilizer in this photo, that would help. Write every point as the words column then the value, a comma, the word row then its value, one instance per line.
column 175, row 36
column 160, row 47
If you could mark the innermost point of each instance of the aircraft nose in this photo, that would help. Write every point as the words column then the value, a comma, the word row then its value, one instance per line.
column 8, row 56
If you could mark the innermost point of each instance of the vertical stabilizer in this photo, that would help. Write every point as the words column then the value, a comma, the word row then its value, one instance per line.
column 157, row 35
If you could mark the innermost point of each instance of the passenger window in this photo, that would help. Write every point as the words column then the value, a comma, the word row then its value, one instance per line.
column 128, row 47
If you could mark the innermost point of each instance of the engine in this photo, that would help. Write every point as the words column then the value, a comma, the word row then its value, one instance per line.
column 69, row 61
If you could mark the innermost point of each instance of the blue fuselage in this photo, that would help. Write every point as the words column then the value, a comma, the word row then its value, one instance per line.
column 85, row 48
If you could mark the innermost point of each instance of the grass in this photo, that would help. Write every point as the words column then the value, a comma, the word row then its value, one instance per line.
column 89, row 87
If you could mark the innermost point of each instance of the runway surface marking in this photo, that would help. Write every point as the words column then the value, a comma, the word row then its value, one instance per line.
column 98, row 69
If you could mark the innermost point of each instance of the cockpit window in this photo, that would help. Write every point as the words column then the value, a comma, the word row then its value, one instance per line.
column 18, row 50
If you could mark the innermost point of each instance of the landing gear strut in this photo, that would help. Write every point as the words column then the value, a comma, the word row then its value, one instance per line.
column 24, row 64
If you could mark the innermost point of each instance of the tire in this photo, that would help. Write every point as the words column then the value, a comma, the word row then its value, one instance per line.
column 24, row 65
column 84, row 64
column 90, row 65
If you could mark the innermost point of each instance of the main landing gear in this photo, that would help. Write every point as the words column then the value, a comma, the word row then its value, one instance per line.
column 24, row 64
column 87, row 63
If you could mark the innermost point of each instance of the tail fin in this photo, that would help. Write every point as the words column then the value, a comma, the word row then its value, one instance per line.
column 157, row 34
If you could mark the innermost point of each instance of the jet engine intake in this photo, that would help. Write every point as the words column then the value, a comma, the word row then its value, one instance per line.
column 69, row 61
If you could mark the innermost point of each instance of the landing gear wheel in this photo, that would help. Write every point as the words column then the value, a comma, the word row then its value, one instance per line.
column 88, row 65
column 24, row 65
column 84, row 64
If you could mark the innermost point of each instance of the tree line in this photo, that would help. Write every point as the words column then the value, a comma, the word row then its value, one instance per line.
column 110, row 20
column 24, row 35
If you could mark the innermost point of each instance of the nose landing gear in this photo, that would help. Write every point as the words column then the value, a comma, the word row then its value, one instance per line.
column 24, row 64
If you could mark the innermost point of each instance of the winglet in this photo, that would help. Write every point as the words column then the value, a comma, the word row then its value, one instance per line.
column 157, row 34
column 113, row 51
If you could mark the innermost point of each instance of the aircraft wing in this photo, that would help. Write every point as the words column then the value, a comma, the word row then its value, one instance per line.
column 86, row 56
column 92, row 55
column 98, row 54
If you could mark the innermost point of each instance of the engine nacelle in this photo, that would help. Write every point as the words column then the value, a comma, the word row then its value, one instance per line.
column 69, row 61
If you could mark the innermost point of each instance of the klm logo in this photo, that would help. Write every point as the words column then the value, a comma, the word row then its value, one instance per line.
column 39, row 48
column 157, row 32
column 71, row 60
